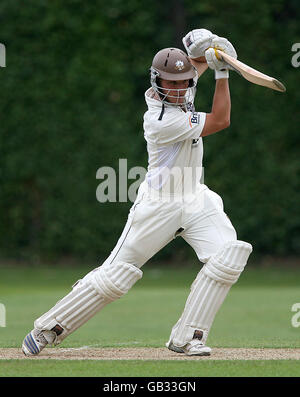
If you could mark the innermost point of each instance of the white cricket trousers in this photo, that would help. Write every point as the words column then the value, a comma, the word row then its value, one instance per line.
column 154, row 221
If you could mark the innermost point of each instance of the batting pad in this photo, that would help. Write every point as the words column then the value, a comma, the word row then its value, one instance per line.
column 89, row 295
column 209, row 290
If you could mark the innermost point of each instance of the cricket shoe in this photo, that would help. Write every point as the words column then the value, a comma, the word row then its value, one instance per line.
column 193, row 348
column 36, row 340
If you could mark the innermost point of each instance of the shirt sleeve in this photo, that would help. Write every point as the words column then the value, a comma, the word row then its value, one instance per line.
column 176, row 128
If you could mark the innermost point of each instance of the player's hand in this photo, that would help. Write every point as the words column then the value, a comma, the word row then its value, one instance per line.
column 219, row 43
column 197, row 41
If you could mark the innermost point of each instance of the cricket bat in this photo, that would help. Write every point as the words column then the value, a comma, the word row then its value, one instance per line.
column 250, row 74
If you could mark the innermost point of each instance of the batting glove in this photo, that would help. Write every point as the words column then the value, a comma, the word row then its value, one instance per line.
column 221, row 68
column 197, row 41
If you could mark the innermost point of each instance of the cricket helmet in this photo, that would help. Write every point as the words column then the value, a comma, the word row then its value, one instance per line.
column 173, row 64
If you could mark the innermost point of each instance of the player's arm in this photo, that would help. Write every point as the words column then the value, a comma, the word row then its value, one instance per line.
column 219, row 118
column 200, row 45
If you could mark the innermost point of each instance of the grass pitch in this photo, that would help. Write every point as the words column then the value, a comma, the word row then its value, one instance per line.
column 256, row 314
column 136, row 368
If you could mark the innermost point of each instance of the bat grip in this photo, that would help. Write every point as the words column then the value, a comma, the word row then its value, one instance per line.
column 219, row 54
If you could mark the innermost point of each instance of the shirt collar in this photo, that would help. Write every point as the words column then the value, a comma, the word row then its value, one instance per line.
column 151, row 101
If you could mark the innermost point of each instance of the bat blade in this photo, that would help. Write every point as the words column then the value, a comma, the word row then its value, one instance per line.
column 251, row 74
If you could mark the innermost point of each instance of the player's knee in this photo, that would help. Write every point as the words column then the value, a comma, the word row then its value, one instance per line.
column 213, row 247
column 111, row 280
column 114, row 280
column 229, row 262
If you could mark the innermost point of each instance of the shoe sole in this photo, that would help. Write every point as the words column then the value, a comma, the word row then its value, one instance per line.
column 198, row 354
column 176, row 349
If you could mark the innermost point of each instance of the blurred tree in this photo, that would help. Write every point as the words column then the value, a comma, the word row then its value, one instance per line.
column 72, row 102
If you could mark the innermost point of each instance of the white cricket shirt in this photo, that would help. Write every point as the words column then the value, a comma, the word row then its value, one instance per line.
column 175, row 148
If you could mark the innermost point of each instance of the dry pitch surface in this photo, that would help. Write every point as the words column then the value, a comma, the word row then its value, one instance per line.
column 86, row 353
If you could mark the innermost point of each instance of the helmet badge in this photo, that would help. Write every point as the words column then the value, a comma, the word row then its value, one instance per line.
column 179, row 65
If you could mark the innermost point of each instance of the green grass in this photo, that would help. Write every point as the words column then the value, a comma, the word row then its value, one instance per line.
column 134, row 368
column 256, row 313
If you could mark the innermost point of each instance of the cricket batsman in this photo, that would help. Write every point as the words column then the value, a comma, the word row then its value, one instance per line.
column 171, row 202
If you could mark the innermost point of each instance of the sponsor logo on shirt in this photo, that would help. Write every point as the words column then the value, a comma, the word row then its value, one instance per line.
column 194, row 119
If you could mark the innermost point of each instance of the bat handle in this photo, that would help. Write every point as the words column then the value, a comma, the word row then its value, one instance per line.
column 218, row 54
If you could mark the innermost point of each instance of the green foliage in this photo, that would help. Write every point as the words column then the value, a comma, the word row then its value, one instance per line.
column 72, row 101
